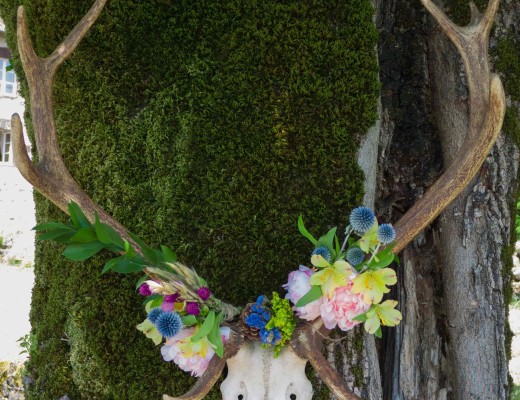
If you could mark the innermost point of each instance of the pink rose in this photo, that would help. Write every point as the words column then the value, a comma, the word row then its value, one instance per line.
column 193, row 357
column 297, row 286
column 342, row 308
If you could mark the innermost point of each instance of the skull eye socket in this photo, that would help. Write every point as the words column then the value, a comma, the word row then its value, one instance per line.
column 293, row 396
column 241, row 397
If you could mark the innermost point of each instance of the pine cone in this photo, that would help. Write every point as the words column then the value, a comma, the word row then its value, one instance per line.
column 248, row 331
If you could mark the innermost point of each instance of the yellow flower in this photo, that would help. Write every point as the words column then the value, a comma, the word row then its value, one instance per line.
column 369, row 240
column 150, row 331
column 198, row 348
column 331, row 276
column 384, row 314
column 372, row 284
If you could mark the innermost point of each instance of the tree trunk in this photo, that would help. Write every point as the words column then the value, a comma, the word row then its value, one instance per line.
column 452, row 342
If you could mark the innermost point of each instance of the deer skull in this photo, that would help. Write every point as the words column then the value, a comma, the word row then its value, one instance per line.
column 254, row 374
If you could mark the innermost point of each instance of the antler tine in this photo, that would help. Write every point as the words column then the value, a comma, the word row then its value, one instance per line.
column 307, row 344
column 215, row 368
column 50, row 176
column 487, row 109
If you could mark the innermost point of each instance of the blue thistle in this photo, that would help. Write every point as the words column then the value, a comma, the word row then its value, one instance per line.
column 270, row 336
column 355, row 256
column 362, row 218
column 324, row 252
column 386, row 233
column 168, row 324
column 154, row 314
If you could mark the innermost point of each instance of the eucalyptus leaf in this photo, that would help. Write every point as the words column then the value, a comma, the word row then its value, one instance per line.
column 110, row 263
column 58, row 235
column 313, row 294
column 82, row 251
column 305, row 232
column 50, row 225
column 78, row 218
column 206, row 327
column 169, row 255
column 107, row 235
column 151, row 298
column 85, row 235
column 128, row 265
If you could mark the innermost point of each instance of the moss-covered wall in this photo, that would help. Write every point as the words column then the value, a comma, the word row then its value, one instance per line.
column 208, row 126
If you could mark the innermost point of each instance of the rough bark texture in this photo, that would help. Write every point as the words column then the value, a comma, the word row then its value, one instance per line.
column 451, row 343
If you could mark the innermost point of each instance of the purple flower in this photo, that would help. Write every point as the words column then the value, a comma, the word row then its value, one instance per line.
column 144, row 290
column 192, row 308
column 171, row 298
column 203, row 293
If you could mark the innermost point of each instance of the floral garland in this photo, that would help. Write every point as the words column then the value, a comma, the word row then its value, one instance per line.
column 344, row 287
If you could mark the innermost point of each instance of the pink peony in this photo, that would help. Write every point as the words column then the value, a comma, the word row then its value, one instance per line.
column 193, row 357
column 297, row 286
column 342, row 307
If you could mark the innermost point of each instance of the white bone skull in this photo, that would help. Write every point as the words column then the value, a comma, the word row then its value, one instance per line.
column 254, row 374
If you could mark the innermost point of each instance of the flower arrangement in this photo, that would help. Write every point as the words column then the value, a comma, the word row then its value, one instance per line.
column 344, row 287
column 346, row 284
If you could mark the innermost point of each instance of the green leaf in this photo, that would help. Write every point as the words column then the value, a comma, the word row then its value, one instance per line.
column 78, row 218
column 61, row 235
column 305, row 232
column 150, row 255
column 338, row 247
column 360, row 317
column 327, row 240
column 169, row 256
column 129, row 250
column 82, row 251
column 107, row 235
column 384, row 261
column 314, row 294
column 85, row 235
column 141, row 281
column 206, row 327
column 128, row 265
column 110, row 263
column 50, row 225
column 189, row 320
column 215, row 338
column 150, row 300
column 379, row 333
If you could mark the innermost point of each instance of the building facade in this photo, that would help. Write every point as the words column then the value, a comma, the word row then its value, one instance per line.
column 10, row 101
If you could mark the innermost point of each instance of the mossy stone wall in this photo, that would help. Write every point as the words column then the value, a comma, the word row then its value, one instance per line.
column 208, row 126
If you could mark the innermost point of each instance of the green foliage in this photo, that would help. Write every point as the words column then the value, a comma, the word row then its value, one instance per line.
column 208, row 126
column 283, row 319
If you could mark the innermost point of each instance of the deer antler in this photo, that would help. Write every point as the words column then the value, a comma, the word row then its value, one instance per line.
column 486, row 107
column 50, row 176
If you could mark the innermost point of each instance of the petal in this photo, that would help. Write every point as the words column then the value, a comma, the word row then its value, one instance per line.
column 319, row 278
column 387, row 276
column 319, row 261
column 372, row 324
column 388, row 315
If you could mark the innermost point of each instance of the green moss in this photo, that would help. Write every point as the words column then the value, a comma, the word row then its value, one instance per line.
column 511, row 126
column 507, row 61
column 206, row 126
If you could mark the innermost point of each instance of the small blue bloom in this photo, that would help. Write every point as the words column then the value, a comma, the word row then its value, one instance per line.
column 362, row 218
column 324, row 252
column 270, row 336
column 355, row 256
column 154, row 314
column 386, row 233
column 168, row 324
column 255, row 321
column 260, row 300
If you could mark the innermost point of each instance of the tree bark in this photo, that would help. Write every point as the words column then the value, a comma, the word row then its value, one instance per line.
column 451, row 343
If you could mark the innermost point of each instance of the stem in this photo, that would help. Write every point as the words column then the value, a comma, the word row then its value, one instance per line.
column 371, row 258
column 348, row 231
